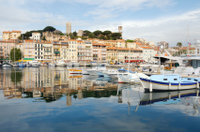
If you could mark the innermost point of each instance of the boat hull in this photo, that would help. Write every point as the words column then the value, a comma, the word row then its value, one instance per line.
column 156, row 85
column 92, row 72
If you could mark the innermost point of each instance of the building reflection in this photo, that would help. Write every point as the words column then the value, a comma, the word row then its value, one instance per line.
column 50, row 84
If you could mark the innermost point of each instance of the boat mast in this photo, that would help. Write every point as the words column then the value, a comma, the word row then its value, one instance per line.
column 188, row 41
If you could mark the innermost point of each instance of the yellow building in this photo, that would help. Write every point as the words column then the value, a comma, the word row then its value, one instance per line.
column 7, row 35
column 112, row 54
column 56, row 50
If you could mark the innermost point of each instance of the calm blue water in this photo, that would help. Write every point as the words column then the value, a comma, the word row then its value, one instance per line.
column 49, row 99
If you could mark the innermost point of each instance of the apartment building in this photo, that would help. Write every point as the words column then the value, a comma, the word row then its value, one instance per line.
column 131, row 45
column 47, row 51
column 72, row 50
column 29, row 49
column 148, row 53
column 56, row 51
column 99, row 52
column 64, row 48
column 88, row 51
column 112, row 54
column 7, row 35
column 6, row 46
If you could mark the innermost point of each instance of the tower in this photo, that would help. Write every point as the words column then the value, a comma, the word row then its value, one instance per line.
column 120, row 30
column 68, row 27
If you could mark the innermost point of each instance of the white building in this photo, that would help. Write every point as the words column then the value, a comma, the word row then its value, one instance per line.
column 36, row 36
column 148, row 54
column 80, row 33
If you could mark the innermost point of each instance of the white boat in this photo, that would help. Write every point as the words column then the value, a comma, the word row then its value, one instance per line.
column 73, row 64
column 75, row 71
column 52, row 65
column 34, row 63
column 93, row 71
column 61, row 63
column 6, row 65
column 169, row 82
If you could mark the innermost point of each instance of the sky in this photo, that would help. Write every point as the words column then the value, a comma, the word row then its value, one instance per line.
column 154, row 20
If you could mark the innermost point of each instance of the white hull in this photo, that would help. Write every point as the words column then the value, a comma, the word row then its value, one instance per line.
column 60, row 65
column 92, row 72
column 35, row 65
column 159, row 86
column 6, row 66
column 84, row 72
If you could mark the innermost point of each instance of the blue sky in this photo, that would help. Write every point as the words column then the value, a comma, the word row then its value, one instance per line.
column 154, row 20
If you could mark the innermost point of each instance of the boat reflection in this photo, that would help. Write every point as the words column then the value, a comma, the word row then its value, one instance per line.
column 50, row 84
column 188, row 98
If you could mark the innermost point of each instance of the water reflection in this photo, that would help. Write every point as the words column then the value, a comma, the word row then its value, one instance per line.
column 50, row 84
column 53, row 100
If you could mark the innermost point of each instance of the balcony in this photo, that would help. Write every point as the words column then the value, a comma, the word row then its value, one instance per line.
column 56, row 52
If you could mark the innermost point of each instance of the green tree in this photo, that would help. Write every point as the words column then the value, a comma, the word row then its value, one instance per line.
column 75, row 34
column 16, row 77
column 91, row 35
column 86, row 32
column 44, row 38
column 71, row 35
column 97, row 32
column 116, row 36
column 49, row 29
column 179, row 44
column 101, row 36
column 129, row 40
column 107, row 32
column 15, row 54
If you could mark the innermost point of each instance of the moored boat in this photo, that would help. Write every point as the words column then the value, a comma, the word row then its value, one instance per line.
column 169, row 82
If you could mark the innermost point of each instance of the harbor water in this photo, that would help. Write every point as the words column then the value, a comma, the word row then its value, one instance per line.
column 49, row 99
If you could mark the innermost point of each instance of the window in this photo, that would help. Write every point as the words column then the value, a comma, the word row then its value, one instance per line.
column 175, row 79
column 165, row 79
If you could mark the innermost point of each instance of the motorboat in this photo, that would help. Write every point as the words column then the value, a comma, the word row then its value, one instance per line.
column 93, row 71
column 73, row 64
column 61, row 63
column 125, row 76
column 169, row 82
column 35, row 63
column 28, row 64
column 6, row 65
column 101, row 74
column 52, row 65
column 75, row 71
column 21, row 64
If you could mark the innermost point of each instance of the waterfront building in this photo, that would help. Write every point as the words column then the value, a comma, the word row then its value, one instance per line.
column 88, row 51
column 47, row 48
column 99, row 52
column 29, row 49
column 191, row 50
column 6, row 47
column 72, row 51
column 7, row 35
column 148, row 54
column 134, row 54
column 56, row 50
column 68, row 27
column 112, row 54
column 64, row 48
column 35, row 36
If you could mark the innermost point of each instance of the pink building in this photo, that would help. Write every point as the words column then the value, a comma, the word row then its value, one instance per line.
column 99, row 52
